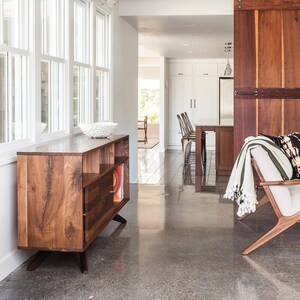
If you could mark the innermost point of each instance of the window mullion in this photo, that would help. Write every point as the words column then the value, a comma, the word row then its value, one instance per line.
column 9, row 100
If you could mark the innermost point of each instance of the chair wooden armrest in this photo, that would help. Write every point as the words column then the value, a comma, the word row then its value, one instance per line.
column 283, row 182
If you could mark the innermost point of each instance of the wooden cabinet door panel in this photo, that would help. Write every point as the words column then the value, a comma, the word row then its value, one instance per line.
column 98, row 200
column 54, row 198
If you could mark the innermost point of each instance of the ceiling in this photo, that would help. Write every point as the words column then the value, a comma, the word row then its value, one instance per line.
column 183, row 36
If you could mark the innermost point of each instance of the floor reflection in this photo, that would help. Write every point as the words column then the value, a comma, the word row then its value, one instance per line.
column 178, row 168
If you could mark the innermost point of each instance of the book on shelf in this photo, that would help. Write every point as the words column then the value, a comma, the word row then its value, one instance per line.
column 118, row 182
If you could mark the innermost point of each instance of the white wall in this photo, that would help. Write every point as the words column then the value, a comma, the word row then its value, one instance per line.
column 125, row 86
column 10, row 257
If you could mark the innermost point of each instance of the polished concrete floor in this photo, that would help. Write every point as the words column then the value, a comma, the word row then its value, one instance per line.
column 177, row 244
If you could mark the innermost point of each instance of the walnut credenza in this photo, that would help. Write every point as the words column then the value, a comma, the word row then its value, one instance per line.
column 66, row 192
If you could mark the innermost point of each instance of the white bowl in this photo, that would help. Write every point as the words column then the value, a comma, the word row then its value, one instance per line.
column 99, row 129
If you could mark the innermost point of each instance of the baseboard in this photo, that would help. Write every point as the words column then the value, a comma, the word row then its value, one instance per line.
column 12, row 261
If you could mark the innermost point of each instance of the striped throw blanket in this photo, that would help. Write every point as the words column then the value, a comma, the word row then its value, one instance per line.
column 241, row 182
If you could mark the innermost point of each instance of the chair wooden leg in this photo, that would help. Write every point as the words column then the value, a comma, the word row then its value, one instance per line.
column 277, row 229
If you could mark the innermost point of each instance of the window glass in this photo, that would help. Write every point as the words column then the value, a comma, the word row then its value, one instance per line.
column 102, row 42
column 80, row 31
column 102, row 93
column 80, row 95
column 14, row 19
column 52, row 27
column 52, row 105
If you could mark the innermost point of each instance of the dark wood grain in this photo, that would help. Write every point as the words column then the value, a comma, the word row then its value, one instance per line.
column 244, row 49
column 224, row 151
column 291, row 116
column 267, row 4
column 54, row 202
column 291, row 34
column 245, row 122
column 270, row 116
column 22, row 201
column 269, row 49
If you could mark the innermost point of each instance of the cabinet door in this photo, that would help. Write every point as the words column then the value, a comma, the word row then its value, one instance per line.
column 180, row 100
column 205, row 95
column 180, row 69
column 98, row 200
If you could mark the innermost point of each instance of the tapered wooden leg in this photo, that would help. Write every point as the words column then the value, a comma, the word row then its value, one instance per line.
column 83, row 263
column 120, row 219
column 37, row 260
column 277, row 229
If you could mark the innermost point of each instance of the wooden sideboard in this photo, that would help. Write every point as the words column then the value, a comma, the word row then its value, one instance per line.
column 224, row 148
column 67, row 192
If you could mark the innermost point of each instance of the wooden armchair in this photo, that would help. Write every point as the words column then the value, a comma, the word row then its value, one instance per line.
column 283, row 195
column 143, row 126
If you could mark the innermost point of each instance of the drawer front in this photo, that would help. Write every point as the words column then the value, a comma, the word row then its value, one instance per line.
column 98, row 201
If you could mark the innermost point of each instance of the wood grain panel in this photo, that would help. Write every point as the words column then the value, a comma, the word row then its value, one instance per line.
column 270, row 116
column 22, row 201
column 291, row 116
column 244, row 122
column 224, row 154
column 244, row 49
column 269, row 49
column 107, row 155
column 91, row 161
column 266, row 4
column 98, row 201
column 291, row 37
column 122, row 148
column 54, row 210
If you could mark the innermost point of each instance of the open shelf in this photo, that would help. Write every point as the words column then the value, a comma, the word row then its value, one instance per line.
column 120, row 160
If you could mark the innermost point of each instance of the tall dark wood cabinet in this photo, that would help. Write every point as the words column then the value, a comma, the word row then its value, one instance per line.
column 266, row 68
column 68, row 191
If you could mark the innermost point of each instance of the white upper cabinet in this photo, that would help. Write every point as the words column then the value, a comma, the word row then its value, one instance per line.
column 202, row 69
column 180, row 69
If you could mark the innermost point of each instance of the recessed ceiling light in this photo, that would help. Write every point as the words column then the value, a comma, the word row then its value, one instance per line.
column 185, row 44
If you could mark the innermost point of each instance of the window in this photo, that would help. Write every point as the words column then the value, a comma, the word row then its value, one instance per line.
column 81, row 30
column 149, row 99
column 52, row 88
column 35, row 56
column 13, row 70
column 53, row 27
column 82, row 68
column 80, row 95
column 102, row 83
column 14, row 23
column 52, row 67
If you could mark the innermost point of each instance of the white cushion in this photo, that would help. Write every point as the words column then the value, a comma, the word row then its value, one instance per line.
column 284, row 196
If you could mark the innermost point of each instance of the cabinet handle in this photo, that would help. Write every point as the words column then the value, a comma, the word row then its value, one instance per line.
column 195, row 103
column 84, row 215
column 191, row 103
column 112, row 192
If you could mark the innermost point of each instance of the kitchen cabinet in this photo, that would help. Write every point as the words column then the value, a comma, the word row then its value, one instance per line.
column 195, row 93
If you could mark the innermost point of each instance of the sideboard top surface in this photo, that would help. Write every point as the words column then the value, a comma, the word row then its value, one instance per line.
column 74, row 145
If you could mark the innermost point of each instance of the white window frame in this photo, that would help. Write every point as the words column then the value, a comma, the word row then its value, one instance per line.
column 48, row 56
column 105, row 113
column 34, row 54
